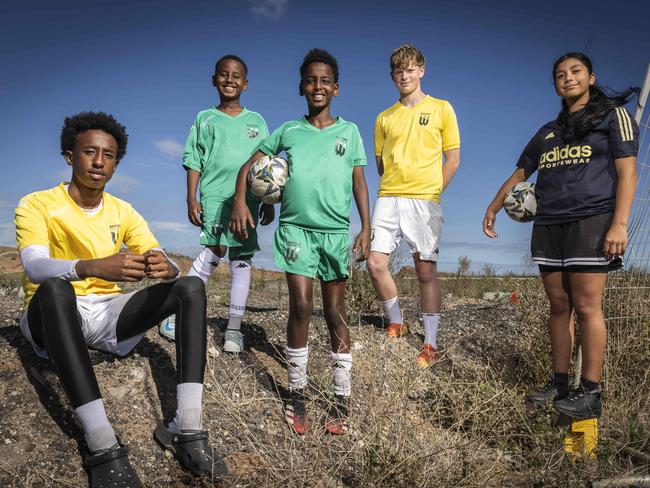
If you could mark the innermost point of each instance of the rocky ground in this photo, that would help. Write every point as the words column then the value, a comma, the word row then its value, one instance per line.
column 460, row 423
column 40, row 442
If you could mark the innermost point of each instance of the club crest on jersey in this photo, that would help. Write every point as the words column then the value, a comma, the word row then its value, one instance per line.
column 424, row 118
column 253, row 131
column 340, row 145
column 293, row 251
column 115, row 232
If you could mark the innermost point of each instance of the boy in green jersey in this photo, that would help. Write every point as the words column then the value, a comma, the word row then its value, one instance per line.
column 326, row 159
column 220, row 139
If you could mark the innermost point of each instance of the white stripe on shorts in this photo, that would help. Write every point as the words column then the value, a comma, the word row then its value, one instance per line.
column 557, row 262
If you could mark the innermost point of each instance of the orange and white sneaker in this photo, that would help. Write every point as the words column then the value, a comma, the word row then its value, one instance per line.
column 337, row 416
column 428, row 355
column 397, row 330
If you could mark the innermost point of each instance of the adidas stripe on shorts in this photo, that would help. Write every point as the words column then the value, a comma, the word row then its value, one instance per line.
column 418, row 222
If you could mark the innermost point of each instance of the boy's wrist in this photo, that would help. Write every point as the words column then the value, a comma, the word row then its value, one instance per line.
column 83, row 268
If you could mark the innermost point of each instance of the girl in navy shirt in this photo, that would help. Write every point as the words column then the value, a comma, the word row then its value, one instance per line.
column 586, row 165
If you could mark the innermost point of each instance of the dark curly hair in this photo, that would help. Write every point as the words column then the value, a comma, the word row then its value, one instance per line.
column 76, row 124
column 575, row 126
column 232, row 57
column 320, row 56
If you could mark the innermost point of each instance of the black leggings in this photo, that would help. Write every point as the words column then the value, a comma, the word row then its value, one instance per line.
column 55, row 325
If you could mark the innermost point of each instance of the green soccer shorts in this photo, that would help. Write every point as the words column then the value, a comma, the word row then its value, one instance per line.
column 311, row 253
column 215, row 230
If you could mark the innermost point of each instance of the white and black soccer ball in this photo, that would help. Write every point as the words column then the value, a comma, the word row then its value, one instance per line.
column 520, row 202
column 267, row 177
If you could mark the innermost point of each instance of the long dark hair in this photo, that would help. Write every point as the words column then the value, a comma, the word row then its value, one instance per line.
column 575, row 126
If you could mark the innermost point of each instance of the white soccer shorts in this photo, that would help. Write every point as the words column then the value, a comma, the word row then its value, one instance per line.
column 419, row 222
column 99, row 315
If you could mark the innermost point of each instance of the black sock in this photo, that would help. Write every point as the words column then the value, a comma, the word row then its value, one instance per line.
column 561, row 381
column 588, row 385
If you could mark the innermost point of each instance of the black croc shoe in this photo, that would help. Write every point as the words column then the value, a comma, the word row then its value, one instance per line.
column 192, row 451
column 110, row 468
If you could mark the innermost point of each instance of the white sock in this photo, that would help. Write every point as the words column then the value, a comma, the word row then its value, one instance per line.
column 97, row 430
column 391, row 307
column 341, row 370
column 431, row 321
column 189, row 397
column 297, row 366
column 240, row 282
column 204, row 264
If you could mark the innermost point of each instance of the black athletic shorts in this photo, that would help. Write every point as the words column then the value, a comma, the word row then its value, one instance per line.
column 575, row 246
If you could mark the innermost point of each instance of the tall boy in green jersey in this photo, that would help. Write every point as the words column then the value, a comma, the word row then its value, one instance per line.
column 326, row 159
column 220, row 140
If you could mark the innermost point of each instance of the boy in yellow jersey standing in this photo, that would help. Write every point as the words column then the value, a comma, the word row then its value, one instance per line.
column 411, row 138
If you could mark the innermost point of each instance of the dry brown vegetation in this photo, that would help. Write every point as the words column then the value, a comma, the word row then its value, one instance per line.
column 460, row 423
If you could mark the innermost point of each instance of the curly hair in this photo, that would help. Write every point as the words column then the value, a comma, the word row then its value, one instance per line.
column 232, row 57
column 76, row 124
column 320, row 56
column 575, row 126
column 404, row 56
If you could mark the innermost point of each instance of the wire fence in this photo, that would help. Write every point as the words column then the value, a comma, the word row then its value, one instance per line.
column 627, row 294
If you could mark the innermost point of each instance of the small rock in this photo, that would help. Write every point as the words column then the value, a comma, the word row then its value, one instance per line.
column 118, row 392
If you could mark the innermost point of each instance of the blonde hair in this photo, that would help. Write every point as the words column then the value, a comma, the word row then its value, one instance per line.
column 404, row 56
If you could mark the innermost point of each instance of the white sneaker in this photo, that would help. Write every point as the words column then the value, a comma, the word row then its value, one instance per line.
column 233, row 341
column 168, row 328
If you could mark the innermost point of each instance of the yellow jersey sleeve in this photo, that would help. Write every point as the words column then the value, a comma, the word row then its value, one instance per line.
column 380, row 136
column 137, row 236
column 449, row 128
column 31, row 224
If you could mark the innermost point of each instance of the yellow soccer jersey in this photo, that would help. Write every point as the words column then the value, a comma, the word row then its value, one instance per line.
column 51, row 218
column 410, row 141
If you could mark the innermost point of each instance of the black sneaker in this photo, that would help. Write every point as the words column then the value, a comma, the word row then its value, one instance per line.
column 580, row 404
column 337, row 416
column 295, row 413
column 542, row 397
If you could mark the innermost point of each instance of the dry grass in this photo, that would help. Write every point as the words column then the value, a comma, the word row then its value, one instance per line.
column 461, row 423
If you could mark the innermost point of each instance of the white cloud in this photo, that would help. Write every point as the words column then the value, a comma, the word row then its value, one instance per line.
column 122, row 183
column 7, row 235
column 270, row 9
column 169, row 226
column 169, row 148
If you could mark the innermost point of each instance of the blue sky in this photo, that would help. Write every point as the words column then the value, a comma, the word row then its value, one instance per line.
column 149, row 64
